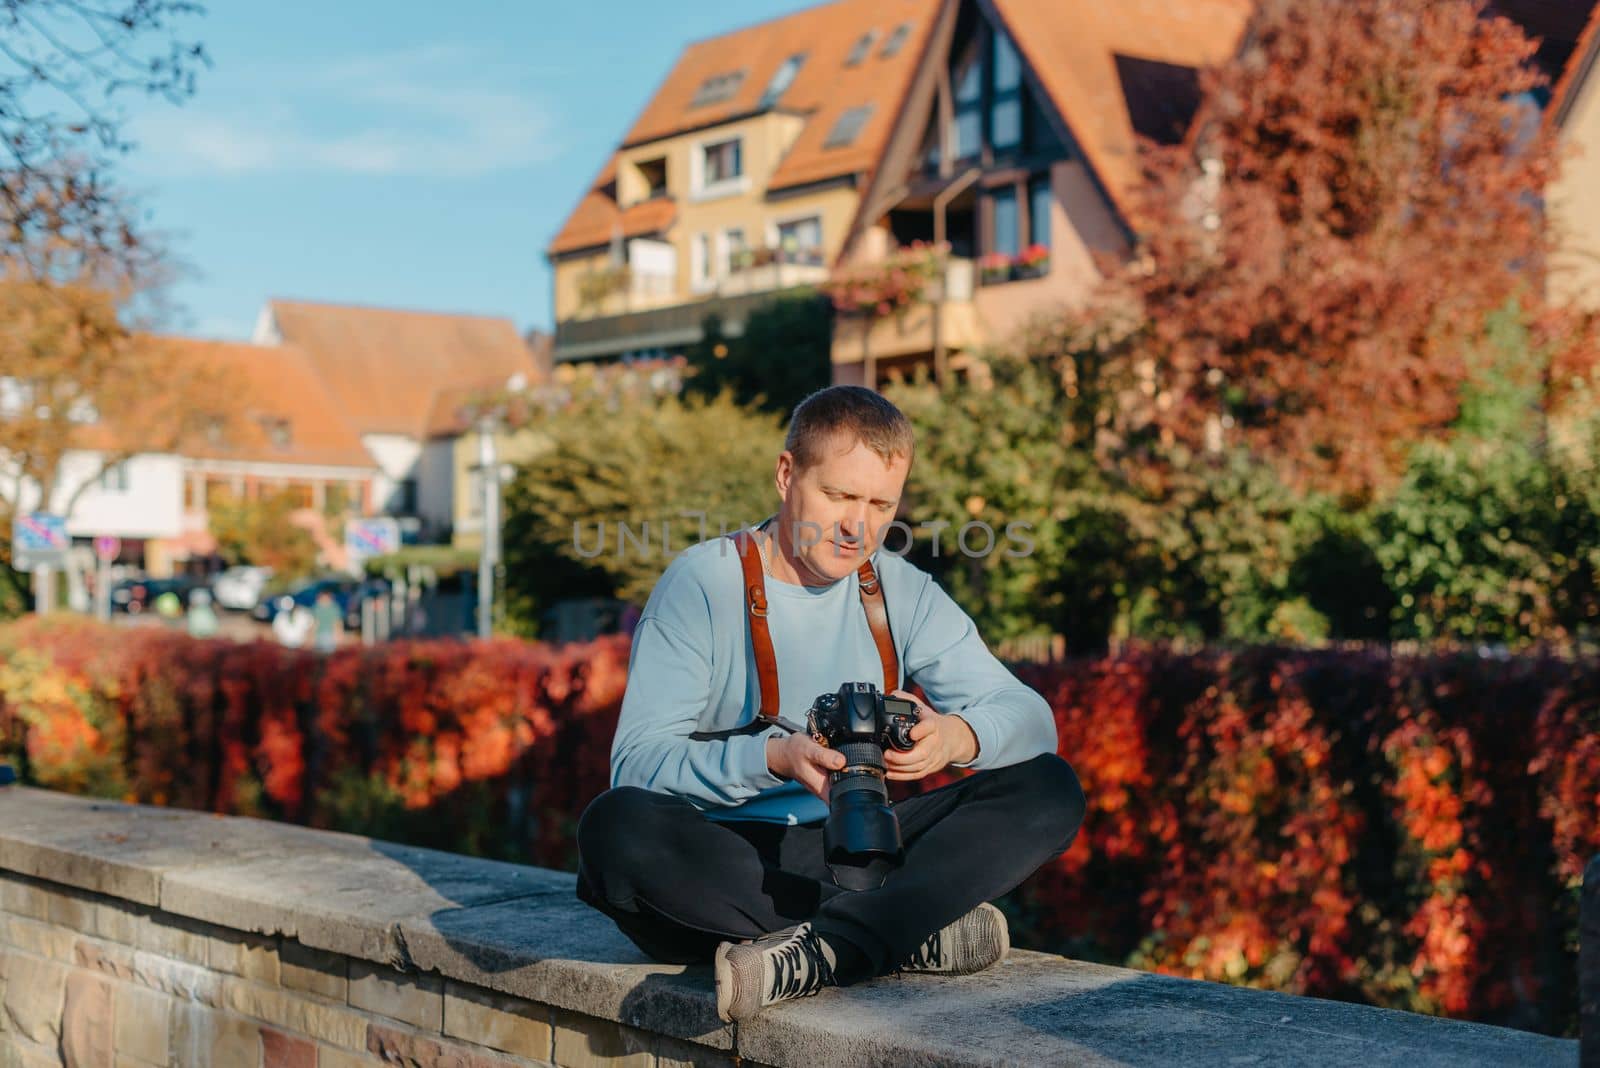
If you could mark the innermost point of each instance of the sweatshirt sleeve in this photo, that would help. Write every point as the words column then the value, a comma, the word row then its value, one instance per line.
column 948, row 659
column 669, row 689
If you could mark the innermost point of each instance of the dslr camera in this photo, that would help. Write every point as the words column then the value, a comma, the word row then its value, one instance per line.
column 861, row 839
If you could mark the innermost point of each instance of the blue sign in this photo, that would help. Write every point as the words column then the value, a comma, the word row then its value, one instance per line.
column 371, row 537
column 39, row 539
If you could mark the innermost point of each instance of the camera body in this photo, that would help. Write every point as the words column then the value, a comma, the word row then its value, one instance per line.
column 861, row 839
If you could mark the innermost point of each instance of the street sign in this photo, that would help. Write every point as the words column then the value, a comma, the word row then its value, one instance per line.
column 107, row 547
column 365, row 538
column 39, row 539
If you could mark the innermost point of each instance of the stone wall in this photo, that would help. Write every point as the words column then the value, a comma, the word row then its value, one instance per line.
column 87, row 979
column 136, row 937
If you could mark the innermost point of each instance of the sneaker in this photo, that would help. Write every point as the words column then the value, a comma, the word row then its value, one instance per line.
column 971, row 944
column 784, row 965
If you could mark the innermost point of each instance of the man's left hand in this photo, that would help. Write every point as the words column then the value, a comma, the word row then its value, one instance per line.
column 941, row 740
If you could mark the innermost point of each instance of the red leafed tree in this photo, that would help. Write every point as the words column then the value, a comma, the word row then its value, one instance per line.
column 1362, row 186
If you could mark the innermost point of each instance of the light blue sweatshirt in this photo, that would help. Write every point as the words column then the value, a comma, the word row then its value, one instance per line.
column 692, row 668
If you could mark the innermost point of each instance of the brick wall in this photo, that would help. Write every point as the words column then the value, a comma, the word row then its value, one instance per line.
column 89, row 980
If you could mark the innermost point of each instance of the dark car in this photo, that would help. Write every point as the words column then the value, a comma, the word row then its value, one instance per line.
column 135, row 596
column 360, row 594
column 306, row 594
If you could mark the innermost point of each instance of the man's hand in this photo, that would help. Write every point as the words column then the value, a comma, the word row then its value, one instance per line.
column 799, row 757
column 941, row 740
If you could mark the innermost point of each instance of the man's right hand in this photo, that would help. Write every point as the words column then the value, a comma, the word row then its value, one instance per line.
column 800, row 758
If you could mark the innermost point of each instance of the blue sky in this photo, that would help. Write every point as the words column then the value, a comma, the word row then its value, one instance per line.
column 395, row 152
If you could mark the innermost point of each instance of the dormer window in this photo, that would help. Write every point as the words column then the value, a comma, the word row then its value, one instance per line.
column 717, row 88
column 895, row 41
column 863, row 46
column 781, row 80
column 848, row 127
column 277, row 431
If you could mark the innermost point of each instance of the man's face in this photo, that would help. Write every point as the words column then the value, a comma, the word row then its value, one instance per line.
column 836, row 511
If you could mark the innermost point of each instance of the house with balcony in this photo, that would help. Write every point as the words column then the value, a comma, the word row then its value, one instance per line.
column 1016, row 148
column 739, row 180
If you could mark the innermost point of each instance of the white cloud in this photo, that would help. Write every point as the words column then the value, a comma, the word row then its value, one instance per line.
column 419, row 112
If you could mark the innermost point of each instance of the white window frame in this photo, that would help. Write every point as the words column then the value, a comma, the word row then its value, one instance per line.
column 702, row 279
column 114, row 478
column 699, row 189
column 779, row 221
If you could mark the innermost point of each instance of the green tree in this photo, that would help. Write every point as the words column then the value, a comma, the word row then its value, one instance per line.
column 655, row 466
column 262, row 532
column 783, row 355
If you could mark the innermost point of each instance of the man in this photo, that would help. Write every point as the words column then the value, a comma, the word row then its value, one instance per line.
column 709, row 844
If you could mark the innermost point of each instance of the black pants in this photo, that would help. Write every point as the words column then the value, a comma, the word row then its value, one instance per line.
column 677, row 883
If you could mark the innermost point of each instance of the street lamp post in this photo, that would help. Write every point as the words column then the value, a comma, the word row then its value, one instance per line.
column 489, row 555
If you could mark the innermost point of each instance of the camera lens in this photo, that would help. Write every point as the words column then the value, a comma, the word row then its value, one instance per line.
column 861, row 840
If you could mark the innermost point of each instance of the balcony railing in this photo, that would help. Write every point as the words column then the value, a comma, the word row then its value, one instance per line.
column 674, row 326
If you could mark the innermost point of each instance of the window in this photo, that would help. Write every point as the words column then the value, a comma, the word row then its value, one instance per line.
column 848, row 127
column 114, row 479
column 1006, row 222
column 862, row 47
column 717, row 88
column 781, row 80
column 896, row 41
column 654, row 173
column 700, row 260
column 800, row 240
column 1039, row 200
column 277, row 431
column 723, row 162
column 968, row 90
column 1005, row 109
column 734, row 246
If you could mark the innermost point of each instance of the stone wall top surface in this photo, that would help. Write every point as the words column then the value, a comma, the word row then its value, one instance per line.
column 521, row 931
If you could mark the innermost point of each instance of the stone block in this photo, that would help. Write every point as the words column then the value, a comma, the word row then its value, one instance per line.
column 673, row 1053
column 76, row 912
column 144, row 1023
column 585, row 1042
column 291, row 1012
column 329, row 1057
column 87, row 1040
column 558, row 951
column 508, row 1024
column 40, row 938
column 345, row 894
column 239, row 953
column 279, row 1050
column 23, row 897
column 109, row 958
column 34, row 991
column 118, row 921
column 190, row 982
column 204, row 1036
column 414, row 999
column 313, row 970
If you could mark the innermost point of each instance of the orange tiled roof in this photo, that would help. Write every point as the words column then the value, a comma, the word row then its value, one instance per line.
column 1072, row 46
column 266, row 383
column 383, row 368
column 823, row 89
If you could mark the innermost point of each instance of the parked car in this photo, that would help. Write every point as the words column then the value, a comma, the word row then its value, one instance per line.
column 306, row 594
column 134, row 596
column 239, row 588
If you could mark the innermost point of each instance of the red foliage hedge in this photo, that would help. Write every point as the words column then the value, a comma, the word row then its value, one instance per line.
column 1403, row 830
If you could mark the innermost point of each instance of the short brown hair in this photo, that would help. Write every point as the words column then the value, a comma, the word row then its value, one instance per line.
column 856, row 411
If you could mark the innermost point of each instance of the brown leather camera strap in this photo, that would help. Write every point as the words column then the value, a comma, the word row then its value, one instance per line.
column 755, row 602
